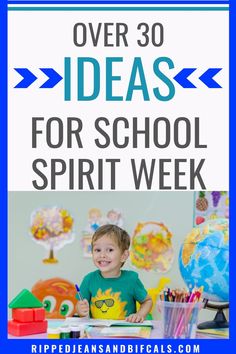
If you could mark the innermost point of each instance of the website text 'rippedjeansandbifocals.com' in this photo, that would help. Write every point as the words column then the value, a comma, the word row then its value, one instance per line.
column 116, row 348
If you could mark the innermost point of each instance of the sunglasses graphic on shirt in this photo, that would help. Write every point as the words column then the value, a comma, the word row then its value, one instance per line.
column 108, row 302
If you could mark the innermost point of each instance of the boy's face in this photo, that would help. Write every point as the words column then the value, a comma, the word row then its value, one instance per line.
column 108, row 257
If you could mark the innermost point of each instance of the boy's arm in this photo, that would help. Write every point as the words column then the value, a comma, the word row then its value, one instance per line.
column 144, row 309
column 83, row 308
column 83, row 305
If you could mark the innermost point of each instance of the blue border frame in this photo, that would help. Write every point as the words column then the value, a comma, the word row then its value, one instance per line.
column 114, row 2
column 232, row 176
column 3, row 161
column 24, row 346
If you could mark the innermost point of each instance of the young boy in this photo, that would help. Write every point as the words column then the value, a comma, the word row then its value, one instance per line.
column 109, row 292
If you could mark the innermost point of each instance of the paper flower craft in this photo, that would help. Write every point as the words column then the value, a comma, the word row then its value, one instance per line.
column 52, row 228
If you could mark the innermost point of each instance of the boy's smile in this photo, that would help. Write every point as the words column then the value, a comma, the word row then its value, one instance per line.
column 103, row 263
column 108, row 257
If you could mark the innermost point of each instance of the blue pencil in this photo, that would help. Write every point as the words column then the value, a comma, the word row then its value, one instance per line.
column 78, row 292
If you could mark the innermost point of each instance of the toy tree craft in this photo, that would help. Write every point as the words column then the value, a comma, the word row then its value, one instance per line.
column 52, row 228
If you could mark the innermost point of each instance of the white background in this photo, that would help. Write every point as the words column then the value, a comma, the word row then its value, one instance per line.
column 191, row 39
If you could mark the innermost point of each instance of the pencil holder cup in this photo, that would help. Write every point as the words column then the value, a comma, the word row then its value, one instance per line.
column 178, row 320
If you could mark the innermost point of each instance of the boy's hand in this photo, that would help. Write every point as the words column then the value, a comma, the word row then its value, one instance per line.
column 83, row 308
column 135, row 318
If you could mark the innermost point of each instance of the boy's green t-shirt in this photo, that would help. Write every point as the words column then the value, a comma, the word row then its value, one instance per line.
column 112, row 298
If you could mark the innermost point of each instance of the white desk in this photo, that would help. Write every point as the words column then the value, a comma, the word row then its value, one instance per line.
column 155, row 334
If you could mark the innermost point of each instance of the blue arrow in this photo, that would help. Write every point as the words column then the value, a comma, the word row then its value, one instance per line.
column 28, row 78
column 207, row 77
column 53, row 78
column 182, row 78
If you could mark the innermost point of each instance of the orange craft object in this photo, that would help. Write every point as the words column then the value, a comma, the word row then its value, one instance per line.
column 57, row 296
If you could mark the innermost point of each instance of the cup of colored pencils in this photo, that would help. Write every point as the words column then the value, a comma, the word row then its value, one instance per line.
column 179, row 312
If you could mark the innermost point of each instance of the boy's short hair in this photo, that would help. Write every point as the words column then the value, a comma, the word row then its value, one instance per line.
column 119, row 235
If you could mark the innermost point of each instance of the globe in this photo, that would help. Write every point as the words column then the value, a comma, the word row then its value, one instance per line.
column 204, row 259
